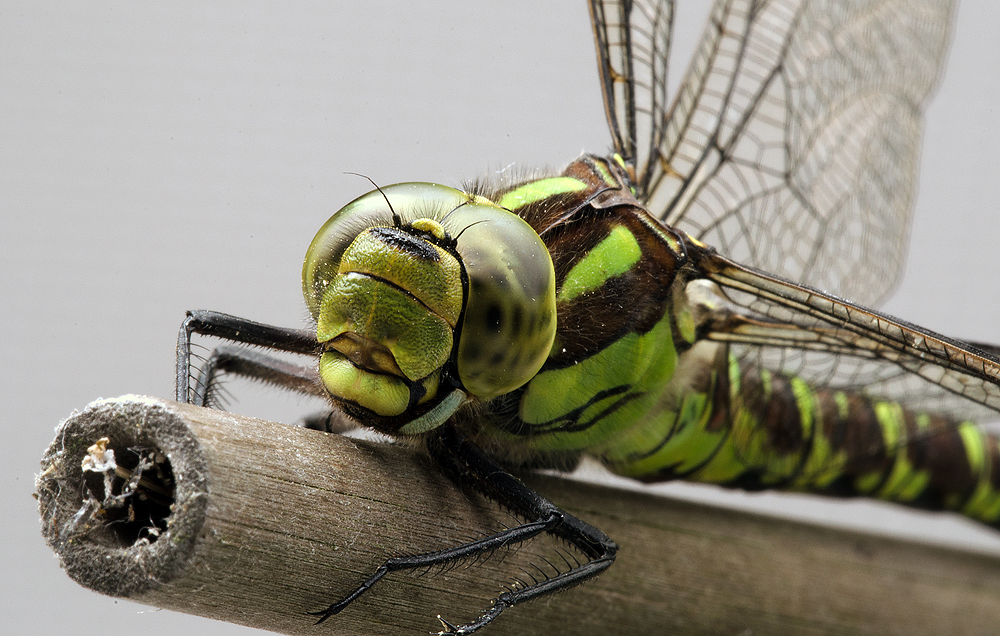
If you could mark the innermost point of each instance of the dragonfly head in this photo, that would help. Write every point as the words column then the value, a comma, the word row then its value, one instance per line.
column 427, row 298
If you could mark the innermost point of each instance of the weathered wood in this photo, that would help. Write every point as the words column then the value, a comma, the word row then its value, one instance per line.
column 270, row 521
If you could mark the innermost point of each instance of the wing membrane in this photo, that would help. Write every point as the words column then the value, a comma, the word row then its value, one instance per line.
column 793, row 142
column 787, row 327
column 633, row 47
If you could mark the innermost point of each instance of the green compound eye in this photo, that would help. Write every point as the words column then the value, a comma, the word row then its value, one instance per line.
column 387, row 293
column 510, row 317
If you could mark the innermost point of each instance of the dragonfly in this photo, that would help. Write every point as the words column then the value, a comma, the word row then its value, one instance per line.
column 673, row 309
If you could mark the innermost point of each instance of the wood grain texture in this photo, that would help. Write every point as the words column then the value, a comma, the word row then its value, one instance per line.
column 271, row 521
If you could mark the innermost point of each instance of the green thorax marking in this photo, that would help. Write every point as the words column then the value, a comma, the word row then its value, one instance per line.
column 613, row 256
column 535, row 191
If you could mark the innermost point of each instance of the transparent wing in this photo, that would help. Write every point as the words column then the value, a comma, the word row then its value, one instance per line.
column 793, row 142
column 830, row 342
column 633, row 47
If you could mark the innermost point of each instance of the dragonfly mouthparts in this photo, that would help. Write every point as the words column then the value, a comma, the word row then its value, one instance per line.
column 366, row 353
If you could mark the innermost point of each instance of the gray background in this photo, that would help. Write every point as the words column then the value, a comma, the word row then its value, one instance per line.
column 159, row 158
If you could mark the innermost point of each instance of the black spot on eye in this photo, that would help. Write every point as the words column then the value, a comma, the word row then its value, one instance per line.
column 496, row 359
column 494, row 318
column 517, row 361
column 518, row 319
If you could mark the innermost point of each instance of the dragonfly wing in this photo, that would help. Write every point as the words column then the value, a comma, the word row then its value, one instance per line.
column 633, row 46
column 779, row 325
column 792, row 145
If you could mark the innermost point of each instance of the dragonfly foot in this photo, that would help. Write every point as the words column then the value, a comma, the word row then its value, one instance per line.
column 485, row 619
column 449, row 629
column 335, row 608
column 453, row 630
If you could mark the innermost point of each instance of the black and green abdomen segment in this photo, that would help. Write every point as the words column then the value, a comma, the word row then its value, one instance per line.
column 784, row 434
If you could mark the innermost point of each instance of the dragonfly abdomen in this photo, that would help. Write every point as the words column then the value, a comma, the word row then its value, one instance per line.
column 775, row 431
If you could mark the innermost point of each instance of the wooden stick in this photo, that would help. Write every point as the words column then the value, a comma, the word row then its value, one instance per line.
column 268, row 522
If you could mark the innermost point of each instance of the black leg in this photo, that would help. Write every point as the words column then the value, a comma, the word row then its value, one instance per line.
column 230, row 360
column 240, row 361
column 469, row 465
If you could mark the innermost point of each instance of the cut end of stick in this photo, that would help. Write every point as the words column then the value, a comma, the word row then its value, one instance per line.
column 122, row 495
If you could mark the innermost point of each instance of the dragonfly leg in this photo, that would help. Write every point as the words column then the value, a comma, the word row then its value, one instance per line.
column 465, row 462
column 231, row 360
column 241, row 361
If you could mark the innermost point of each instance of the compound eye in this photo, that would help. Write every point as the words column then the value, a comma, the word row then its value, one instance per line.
column 510, row 315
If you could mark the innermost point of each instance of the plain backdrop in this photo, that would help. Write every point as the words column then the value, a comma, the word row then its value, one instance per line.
column 158, row 157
